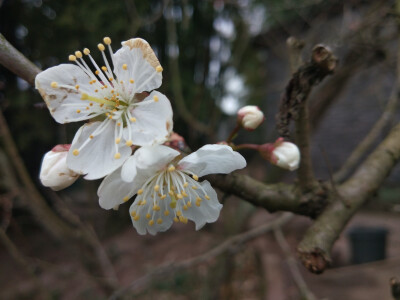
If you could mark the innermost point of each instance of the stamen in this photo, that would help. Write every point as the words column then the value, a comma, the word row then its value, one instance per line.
column 117, row 155
column 54, row 85
column 159, row 221
column 132, row 119
column 155, row 98
column 107, row 40
column 86, row 51
column 139, row 192
column 129, row 143
column 159, row 69
column 101, row 47
column 136, row 218
column 75, row 152
column 78, row 54
column 125, row 66
column 72, row 58
column 171, row 169
column 126, row 198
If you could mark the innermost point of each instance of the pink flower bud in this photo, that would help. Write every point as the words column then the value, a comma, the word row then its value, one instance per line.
column 54, row 172
column 283, row 154
column 250, row 117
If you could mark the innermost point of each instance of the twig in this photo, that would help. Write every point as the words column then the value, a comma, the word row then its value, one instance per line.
column 293, row 106
column 306, row 294
column 314, row 249
column 170, row 268
column 17, row 63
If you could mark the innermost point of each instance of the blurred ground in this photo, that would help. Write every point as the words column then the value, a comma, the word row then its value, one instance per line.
column 256, row 271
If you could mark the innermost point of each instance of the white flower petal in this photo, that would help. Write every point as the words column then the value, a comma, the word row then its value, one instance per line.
column 208, row 211
column 153, row 121
column 141, row 223
column 137, row 61
column 212, row 159
column 129, row 169
column 96, row 158
column 156, row 157
column 114, row 191
column 63, row 102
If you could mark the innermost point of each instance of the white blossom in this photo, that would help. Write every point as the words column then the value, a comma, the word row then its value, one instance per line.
column 286, row 155
column 250, row 117
column 167, row 186
column 54, row 172
column 116, row 100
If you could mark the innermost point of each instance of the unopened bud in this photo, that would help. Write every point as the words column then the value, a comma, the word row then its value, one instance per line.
column 54, row 172
column 250, row 117
column 285, row 155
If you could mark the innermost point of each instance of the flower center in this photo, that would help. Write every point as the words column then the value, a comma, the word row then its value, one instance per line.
column 170, row 191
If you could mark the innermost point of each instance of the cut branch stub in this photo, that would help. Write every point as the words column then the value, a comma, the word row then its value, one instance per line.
column 322, row 63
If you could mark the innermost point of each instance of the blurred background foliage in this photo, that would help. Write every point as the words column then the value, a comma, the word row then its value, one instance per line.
column 217, row 56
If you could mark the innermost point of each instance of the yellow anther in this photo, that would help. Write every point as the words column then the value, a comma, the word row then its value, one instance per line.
column 132, row 119
column 126, row 198
column 118, row 124
column 125, row 66
column 86, row 51
column 77, row 86
column 84, row 96
column 75, row 152
column 97, row 72
column 195, row 177
column 198, row 203
column 107, row 40
column 198, row 199
column 159, row 221
column 78, row 111
column 101, row 47
column 179, row 213
column 72, row 57
column 179, row 196
column 155, row 98
column 171, row 193
column 185, row 207
column 148, row 216
column 159, row 69
column 104, row 68
column 131, row 81
column 182, row 219
column 156, row 187
column 140, row 191
column 133, row 213
column 143, row 202
column 91, row 136
column 87, row 107
column 163, row 197
column 156, row 207
column 110, row 117
column 189, row 204
column 172, row 204
column 54, row 85
column 78, row 54
column 166, row 213
column 129, row 143
column 151, row 222
column 176, row 220
column 184, row 194
column 207, row 197
column 185, row 184
column 194, row 187
column 136, row 218
column 110, row 79
column 171, row 169
column 117, row 155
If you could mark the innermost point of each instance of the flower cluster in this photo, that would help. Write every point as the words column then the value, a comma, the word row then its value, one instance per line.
column 126, row 115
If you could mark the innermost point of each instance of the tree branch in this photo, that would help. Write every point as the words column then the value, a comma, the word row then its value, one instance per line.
column 314, row 250
column 16, row 62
